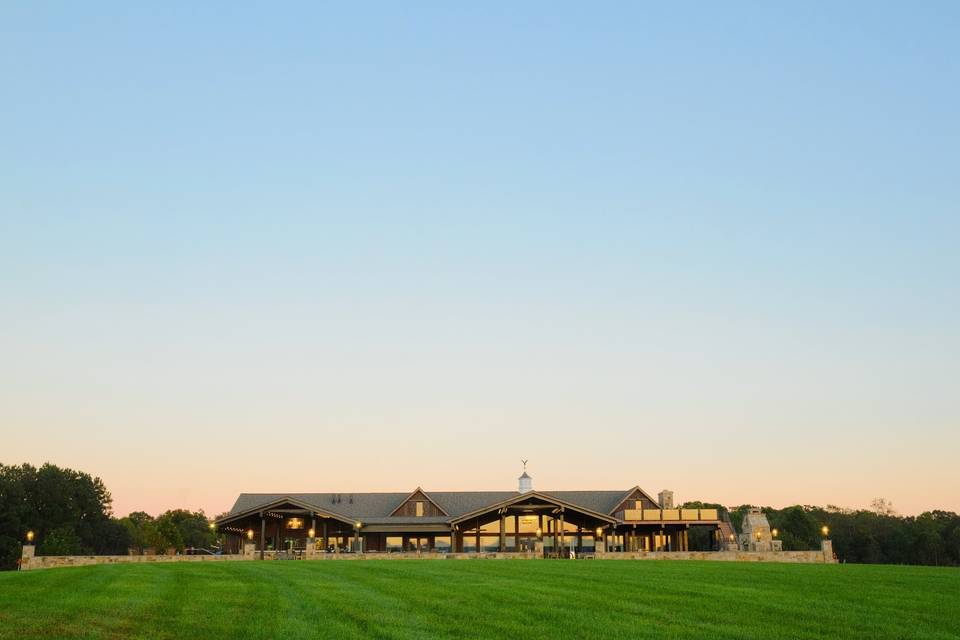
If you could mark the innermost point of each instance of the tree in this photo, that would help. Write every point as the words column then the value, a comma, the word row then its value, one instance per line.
column 70, row 507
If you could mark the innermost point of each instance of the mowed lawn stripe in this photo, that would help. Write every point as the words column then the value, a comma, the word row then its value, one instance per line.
column 480, row 599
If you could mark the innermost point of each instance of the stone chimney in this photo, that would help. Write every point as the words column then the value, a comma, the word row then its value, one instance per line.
column 666, row 499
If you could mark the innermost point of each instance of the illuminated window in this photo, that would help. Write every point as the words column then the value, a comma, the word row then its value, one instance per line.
column 419, row 509
column 294, row 523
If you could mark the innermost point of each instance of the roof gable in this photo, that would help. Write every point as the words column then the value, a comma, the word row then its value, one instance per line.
column 408, row 506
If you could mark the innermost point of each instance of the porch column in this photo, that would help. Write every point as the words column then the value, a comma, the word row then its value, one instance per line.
column 478, row 535
column 326, row 542
column 579, row 539
column 453, row 539
column 562, row 533
column 313, row 527
column 503, row 533
column 263, row 534
column 516, row 532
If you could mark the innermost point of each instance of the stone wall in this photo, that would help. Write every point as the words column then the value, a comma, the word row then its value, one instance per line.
column 30, row 562
column 49, row 562
column 823, row 556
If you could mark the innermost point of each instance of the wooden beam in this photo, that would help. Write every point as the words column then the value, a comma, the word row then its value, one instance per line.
column 263, row 534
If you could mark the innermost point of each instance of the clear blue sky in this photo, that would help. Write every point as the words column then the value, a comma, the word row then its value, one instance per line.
column 711, row 247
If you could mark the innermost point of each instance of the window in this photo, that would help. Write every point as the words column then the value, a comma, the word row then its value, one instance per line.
column 394, row 543
column 419, row 507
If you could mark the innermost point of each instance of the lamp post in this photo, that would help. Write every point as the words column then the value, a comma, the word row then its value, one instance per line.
column 30, row 537
column 774, row 532
column 825, row 530
column 598, row 541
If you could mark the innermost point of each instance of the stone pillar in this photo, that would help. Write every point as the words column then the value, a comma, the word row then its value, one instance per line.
column 26, row 556
column 826, row 547
column 249, row 549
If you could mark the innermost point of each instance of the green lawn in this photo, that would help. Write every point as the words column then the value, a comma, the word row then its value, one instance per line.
column 481, row 599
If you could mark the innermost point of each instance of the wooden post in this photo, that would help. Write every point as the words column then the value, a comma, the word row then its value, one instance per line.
column 503, row 533
column 313, row 527
column 562, row 534
column 263, row 534
column 453, row 539
column 579, row 539
column 326, row 542
column 478, row 535
column 516, row 532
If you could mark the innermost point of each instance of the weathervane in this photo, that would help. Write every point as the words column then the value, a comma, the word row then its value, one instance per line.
column 524, row 465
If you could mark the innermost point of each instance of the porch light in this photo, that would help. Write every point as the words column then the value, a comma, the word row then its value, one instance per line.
column 213, row 525
column 774, row 532
column 825, row 530
column 539, row 532
column 599, row 531
column 758, row 536
column 249, row 534
column 29, row 536
column 732, row 537
column 311, row 533
column 357, row 524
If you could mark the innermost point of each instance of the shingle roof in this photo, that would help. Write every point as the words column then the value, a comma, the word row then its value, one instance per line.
column 375, row 507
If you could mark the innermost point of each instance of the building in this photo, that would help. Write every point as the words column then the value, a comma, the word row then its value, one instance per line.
column 527, row 520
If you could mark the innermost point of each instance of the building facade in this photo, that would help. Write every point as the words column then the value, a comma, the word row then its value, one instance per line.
column 554, row 523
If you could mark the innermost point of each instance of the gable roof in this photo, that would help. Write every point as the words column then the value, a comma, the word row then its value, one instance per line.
column 425, row 495
column 278, row 501
column 540, row 495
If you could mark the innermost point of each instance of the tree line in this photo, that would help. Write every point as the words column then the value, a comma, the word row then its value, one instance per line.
column 69, row 513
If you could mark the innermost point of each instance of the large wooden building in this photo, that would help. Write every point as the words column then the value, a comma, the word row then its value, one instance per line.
column 526, row 520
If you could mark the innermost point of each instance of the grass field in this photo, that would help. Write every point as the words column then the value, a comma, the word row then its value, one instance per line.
column 481, row 599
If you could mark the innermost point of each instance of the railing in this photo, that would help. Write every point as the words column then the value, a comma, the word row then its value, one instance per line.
column 659, row 515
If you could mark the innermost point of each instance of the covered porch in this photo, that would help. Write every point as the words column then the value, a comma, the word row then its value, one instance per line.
column 287, row 525
column 530, row 522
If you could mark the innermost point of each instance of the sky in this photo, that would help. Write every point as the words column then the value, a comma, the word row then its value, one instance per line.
column 306, row 247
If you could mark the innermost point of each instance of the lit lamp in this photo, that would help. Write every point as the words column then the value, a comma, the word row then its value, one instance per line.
column 758, row 536
column 249, row 534
column 774, row 532
column 825, row 530
column 311, row 533
column 213, row 526
column 539, row 533
column 30, row 537
column 732, row 537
